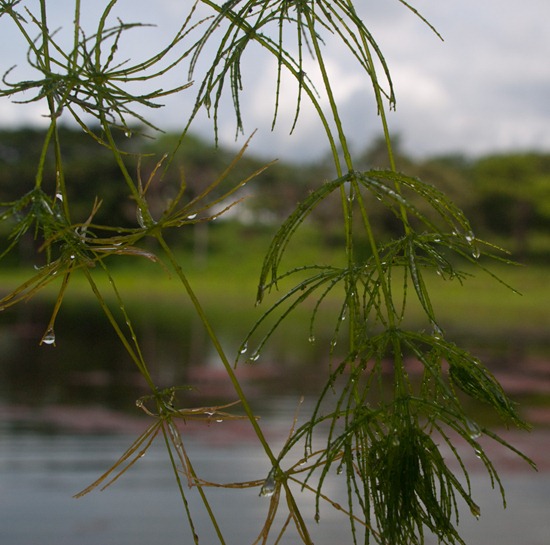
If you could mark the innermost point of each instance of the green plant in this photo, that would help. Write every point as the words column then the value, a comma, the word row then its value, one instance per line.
column 376, row 425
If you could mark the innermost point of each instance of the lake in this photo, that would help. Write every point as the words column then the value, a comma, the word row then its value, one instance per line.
column 67, row 414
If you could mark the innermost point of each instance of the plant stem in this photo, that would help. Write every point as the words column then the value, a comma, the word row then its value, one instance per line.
column 232, row 377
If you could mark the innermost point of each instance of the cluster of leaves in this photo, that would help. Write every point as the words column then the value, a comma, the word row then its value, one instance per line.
column 380, row 433
column 89, row 78
column 90, row 86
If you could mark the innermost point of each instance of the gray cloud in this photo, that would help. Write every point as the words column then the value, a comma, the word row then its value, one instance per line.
column 485, row 88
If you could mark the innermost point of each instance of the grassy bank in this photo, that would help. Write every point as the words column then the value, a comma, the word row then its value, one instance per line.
column 226, row 279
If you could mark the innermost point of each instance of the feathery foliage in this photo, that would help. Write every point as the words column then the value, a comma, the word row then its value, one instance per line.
column 376, row 424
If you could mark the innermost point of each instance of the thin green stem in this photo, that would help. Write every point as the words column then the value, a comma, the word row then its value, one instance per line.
column 233, row 378
column 120, row 162
column 332, row 101
column 76, row 36
column 134, row 354
column 196, row 482
column 383, row 118
column 39, row 177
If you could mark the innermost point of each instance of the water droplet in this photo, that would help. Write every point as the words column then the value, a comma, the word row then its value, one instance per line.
column 268, row 488
column 191, row 216
column 394, row 440
column 128, row 133
column 317, row 517
column 254, row 358
column 473, row 429
column 176, row 438
column 475, row 510
column 470, row 238
column 244, row 348
column 340, row 469
column 479, row 453
column 139, row 216
column 311, row 338
column 437, row 333
column 49, row 337
column 59, row 197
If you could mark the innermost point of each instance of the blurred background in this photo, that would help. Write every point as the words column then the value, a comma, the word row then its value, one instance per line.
column 472, row 118
column 67, row 411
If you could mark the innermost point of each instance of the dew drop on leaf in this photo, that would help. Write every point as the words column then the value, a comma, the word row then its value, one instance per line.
column 268, row 488
column 254, row 358
column 437, row 333
column 139, row 216
column 49, row 337
column 473, row 429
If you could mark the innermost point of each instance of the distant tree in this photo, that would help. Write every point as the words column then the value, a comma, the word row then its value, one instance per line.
column 448, row 174
column 514, row 194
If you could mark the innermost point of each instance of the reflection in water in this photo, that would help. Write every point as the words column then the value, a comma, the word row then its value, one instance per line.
column 67, row 414
column 40, row 473
column 99, row 371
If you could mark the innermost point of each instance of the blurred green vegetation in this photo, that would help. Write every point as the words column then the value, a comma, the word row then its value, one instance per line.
column 226, row 282
column 507, row 198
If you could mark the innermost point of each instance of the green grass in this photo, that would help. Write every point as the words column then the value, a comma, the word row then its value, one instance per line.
column 226, row 282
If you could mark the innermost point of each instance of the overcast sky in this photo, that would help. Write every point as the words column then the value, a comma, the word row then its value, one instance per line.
column 484, row 89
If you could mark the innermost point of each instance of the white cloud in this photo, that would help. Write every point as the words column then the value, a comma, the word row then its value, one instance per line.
column 416, row 89
column 484, row 88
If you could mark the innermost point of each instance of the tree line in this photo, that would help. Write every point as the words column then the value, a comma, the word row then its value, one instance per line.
column 507, row 196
